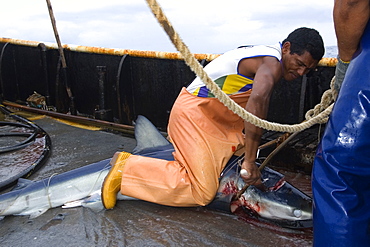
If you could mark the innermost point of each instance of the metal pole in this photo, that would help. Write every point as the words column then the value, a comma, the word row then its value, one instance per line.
column 52, row 18
column 63, row 59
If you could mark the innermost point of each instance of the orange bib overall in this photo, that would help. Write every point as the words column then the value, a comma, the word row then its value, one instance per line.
column 205, row 134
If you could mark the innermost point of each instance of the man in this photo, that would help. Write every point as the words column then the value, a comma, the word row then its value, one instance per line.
column 205, row 133
column 341, row 172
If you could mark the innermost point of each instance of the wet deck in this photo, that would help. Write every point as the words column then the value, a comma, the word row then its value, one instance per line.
column 133, row 223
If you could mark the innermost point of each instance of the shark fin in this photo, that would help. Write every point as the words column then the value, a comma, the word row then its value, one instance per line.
column 93, row 202
column 73, row 204
column 95, row 206
column 22, row 183
column 147, row 135
column 36, row 213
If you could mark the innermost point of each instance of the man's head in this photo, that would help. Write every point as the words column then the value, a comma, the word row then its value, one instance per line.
column 301, row 51
column 306, row 39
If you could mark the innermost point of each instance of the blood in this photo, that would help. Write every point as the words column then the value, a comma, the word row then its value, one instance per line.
column 229, row 188
column 249, row 207
column 278, row 185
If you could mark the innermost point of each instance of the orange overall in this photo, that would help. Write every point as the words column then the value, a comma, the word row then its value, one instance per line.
column 205, row 134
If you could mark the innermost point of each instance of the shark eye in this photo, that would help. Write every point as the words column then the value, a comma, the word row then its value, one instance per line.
column 297, row 213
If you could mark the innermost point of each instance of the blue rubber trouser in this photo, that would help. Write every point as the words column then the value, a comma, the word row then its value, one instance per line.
column 341, row 172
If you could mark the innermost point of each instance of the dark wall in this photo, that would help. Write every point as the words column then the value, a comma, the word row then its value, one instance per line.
column 118, row 88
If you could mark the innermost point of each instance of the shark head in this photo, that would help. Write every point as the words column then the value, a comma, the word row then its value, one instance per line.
column 277, row 201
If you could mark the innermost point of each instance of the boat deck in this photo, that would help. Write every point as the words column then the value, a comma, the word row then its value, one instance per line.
column 133, row 223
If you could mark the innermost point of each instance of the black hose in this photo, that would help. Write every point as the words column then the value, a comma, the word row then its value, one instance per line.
column 31, row 137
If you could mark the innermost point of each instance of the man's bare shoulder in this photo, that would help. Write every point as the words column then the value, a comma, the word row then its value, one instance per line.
column 250, row 66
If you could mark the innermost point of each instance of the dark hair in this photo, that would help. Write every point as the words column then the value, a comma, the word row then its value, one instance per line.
column 306, row 39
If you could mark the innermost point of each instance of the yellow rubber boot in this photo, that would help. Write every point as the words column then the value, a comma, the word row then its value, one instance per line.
column 112, row 181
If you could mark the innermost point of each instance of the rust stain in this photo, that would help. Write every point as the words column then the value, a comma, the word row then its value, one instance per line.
column 326, row 62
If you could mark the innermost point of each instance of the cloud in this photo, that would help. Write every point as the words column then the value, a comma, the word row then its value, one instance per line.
column 207, row 26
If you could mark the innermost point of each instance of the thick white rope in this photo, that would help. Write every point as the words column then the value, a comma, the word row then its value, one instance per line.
column 197, row 68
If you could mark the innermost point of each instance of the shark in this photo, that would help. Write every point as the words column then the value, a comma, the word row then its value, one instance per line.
column 277, row 202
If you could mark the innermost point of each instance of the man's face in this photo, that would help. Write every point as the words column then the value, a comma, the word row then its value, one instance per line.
column 295, row 65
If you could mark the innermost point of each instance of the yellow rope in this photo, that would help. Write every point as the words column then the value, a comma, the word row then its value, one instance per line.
column 197, row 68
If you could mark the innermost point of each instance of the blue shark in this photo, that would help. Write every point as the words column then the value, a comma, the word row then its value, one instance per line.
column 279, row 202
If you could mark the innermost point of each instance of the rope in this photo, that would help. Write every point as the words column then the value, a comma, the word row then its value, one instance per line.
column 327, row 98
column 197, row 68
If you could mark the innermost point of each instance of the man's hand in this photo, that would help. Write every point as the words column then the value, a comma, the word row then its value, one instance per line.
column 253, row 176
column 340, row 72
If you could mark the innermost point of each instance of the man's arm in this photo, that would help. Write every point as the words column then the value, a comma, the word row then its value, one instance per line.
column 267, row 74
column 350, row 19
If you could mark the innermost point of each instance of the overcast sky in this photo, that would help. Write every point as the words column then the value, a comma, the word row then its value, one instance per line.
column 206, row 26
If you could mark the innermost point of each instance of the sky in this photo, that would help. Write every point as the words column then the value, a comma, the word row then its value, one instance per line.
column 206, row 26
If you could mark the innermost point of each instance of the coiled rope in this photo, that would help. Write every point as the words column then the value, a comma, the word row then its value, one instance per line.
column 317, row 115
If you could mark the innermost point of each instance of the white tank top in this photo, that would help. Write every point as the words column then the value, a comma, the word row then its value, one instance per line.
column 227, row 63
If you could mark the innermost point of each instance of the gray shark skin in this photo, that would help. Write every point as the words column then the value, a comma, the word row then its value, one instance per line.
column 78, row 187
column 35, row 198
column 281, row 203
